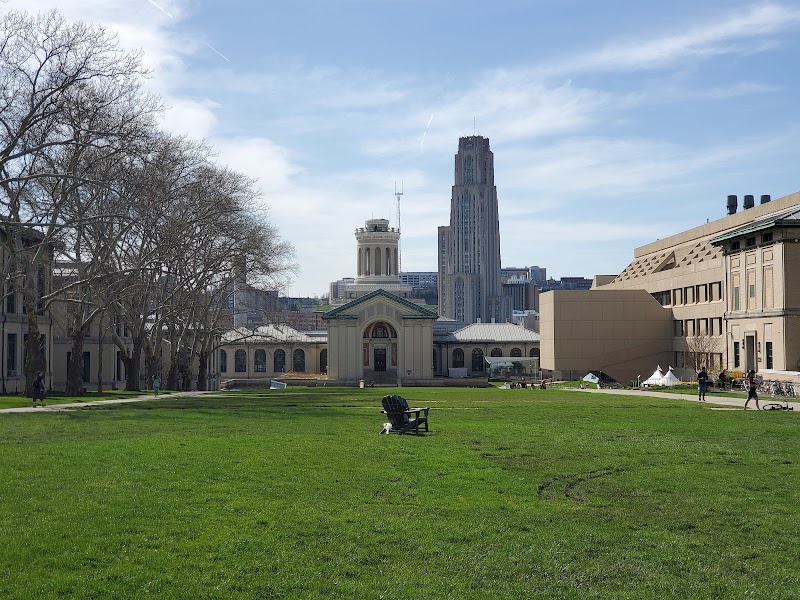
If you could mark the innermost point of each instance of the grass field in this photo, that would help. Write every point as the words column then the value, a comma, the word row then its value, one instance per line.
column 293, row 494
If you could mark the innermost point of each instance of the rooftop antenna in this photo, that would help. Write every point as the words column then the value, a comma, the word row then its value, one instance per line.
column 399, row 255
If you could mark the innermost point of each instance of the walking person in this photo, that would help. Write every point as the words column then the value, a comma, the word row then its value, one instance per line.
column 753, row 392
column 156, row 384
column 37, row 393
column 702, row 383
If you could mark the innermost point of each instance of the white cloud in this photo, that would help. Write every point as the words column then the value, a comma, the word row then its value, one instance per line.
column 729, row 35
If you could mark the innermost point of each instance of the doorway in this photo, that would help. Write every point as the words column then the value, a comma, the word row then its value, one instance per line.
column 379, row 359
column 750, row 352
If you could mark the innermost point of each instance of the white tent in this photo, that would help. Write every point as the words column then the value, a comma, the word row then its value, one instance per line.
column 591, row 377
column 670, row 379
column 657, row 378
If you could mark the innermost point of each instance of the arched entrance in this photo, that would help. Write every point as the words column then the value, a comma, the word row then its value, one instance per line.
column 379, row 352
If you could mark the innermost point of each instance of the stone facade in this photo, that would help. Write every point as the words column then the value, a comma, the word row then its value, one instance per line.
column 469, row 248
column 727, row 288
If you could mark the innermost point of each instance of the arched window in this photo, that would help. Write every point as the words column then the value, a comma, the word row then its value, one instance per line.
column 477, row 360
column 299, row 361
column 458, row 358
column 240, row 361
column 496, row 352
column 223, row 361
column 260, row 361
column 378, row 261
column 380, row 330
column 366, row 262
column 534, row 353
column 516, row 352
column 279, row 361
column 323, row 361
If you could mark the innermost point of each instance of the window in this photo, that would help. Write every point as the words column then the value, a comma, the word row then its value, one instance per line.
column 701, row 293
column 458, row 358
column 516, row 352
column 469, row 177
column 663, row 298
column 279, row 361
column 689, row 328
column 323, row 361
column 767, row 237
column 87, row 373
column 715, row 291
column 735, row 246
column 769, row 354
column 240, row 361
column 11, row 355
column 223, row 361
column 751, row 290
column 260, row 361
column 751, row 241
column 678, row 326
column 534, row 353
column 736, row 299
column 736, row 357
column 688, row 295
column 11, row 299
column 299, row 361
column 477, row 360
column 496, row 352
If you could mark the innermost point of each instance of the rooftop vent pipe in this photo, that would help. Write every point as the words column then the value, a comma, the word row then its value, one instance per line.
column 749, row 201
column 733, row 204
column 765, row 198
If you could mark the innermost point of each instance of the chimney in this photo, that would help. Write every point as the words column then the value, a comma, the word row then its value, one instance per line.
column 765, row 198
column 749, row 201
column 733, row 203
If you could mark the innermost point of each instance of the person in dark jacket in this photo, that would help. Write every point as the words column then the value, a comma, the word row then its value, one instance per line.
column 752, row 387
column 702, row 384
column 38, row 389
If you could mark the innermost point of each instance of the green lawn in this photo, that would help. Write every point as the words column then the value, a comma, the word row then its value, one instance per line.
column 293, row 494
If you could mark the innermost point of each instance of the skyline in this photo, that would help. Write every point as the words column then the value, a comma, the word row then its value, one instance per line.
column 610, row 127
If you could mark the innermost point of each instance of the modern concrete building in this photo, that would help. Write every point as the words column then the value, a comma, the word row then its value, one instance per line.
column 469, row 248
column 725, row 294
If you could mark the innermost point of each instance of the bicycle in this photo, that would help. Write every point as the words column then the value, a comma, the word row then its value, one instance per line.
column 780, row 405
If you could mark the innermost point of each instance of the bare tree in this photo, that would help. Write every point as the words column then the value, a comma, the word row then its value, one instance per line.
column 61, row 85
column 701, row 351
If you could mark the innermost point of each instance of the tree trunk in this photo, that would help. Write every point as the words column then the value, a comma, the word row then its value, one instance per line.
column 34, row 355
column 133, row 365
column 202, row 370
column 75, row 365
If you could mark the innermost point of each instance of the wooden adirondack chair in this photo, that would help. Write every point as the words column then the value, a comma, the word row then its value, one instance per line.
column 402, row 418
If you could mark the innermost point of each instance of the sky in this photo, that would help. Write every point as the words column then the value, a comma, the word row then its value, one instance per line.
column 612, row 123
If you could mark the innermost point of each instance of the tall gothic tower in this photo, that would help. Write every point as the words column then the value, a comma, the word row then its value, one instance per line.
column 469, row 248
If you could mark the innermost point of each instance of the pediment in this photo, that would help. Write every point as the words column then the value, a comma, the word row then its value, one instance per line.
column 380, row 303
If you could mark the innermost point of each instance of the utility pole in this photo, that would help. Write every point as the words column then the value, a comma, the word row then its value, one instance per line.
column 399, row 254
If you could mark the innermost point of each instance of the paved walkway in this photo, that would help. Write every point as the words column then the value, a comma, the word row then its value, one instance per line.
column 73, row 405
column 710, row 398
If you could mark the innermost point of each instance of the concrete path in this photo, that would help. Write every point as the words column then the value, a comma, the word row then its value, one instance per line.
column 711, row 400
column 74, row 405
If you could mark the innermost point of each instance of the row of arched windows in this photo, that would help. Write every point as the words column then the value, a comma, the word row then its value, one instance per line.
column 278, row 361
column 477, row 357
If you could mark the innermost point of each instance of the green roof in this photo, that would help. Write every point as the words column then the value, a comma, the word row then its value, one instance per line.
column 789, row 218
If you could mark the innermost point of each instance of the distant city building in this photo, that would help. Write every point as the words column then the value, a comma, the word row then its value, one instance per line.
column 469, row 247
column 420, row 278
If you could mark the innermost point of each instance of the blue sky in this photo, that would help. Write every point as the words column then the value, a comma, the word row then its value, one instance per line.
column 612, row 123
